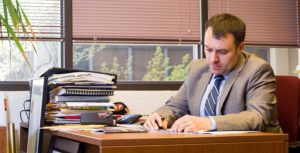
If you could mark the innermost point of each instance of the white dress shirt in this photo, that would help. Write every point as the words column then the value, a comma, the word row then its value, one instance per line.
column 204, row 98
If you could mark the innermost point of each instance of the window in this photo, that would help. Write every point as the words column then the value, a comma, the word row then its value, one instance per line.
column 269, row 22
column 272, row 29
column 133, row 62
column 14, row 68
column 284, row 61
column 147, row 43
column 136, row 21
column 45, row 18
column 138, row 40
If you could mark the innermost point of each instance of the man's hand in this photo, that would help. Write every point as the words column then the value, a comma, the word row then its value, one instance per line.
column 153, row 122
column 190, row 123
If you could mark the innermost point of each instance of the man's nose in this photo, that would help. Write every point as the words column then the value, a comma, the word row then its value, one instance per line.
column 214, row 57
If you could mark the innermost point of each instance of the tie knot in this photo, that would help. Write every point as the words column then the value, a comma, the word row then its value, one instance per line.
column 219, row 77
column 218, row 80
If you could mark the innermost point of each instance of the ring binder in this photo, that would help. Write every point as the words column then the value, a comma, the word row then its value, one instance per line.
column 86, row 91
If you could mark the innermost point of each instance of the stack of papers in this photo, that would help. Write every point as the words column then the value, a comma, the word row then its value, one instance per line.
column 81, row 77
column 72, row 93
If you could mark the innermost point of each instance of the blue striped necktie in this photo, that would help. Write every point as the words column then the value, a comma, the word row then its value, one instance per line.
column 212, row 98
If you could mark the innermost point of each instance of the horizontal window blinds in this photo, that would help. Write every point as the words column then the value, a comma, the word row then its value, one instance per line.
column 45, row 17
column 269, row 22
column 136, row 20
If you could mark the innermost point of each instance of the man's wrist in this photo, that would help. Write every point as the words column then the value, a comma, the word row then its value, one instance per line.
column 213, row 124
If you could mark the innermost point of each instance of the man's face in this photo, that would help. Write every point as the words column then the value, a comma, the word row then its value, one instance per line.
column 221, row 54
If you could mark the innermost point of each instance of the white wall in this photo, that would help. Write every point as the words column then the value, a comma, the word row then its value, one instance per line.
column 279, row 60
column 143, row 102
column 284, row 61
column 15, row 100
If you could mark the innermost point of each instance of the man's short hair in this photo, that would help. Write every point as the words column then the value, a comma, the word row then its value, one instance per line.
column 227, row 23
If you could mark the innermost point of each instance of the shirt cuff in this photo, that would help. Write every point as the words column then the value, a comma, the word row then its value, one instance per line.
column 213, row 126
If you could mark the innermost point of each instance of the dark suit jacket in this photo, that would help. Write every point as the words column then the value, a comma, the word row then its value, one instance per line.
column 247, row 102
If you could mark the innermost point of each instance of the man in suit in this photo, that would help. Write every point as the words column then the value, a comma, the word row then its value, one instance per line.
column 246, row 87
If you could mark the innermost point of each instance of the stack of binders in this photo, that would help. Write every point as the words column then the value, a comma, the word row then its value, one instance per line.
column 71, row 94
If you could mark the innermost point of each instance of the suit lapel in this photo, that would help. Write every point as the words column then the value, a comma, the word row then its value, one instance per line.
column 201, row 87
column 233, row 75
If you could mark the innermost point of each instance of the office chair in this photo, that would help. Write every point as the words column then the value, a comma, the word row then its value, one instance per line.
column 288, row 106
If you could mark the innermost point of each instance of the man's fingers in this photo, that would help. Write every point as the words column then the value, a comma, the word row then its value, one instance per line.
column 176, row 125
column 153, row 122
column 158, row 119
column 181, row 124
column 147, row 124
column 150, row 124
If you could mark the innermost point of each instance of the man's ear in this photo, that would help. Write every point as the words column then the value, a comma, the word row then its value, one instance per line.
column 241, row 47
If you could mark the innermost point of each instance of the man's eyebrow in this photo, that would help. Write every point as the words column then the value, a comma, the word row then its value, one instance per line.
column 222, row 49
column 206, row 46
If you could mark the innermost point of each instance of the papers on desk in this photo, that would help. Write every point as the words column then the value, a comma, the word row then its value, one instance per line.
column 209, row 132
column 72, row 127
column 118, row 129
column 224, row 132
column 121, row 128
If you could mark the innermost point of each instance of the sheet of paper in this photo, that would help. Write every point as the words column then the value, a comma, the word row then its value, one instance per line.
column 208, row 132
column 224, row 132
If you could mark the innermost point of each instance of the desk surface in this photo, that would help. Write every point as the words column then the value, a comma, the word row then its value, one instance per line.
column 180, row 142
column 123, row 139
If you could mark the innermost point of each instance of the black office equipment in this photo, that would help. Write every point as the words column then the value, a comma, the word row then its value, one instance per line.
column 97, row 118
column 129, row 119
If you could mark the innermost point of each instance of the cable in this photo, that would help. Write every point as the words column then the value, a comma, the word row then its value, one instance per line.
column 25, row 109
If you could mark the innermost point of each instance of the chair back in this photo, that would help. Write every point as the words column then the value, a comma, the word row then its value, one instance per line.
column 288, row 104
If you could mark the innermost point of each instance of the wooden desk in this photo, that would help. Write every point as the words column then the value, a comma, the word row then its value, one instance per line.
column 178, row 143
column 3, row 139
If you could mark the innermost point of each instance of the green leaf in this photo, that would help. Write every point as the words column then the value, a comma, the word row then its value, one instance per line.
column 16, row 40
column 18, row 18
column 13, row 14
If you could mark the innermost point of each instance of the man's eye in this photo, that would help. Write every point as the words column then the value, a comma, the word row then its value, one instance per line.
column 223, row 52
column 209, row 50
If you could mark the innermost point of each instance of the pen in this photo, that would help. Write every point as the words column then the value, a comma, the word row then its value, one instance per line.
column 164, row 122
